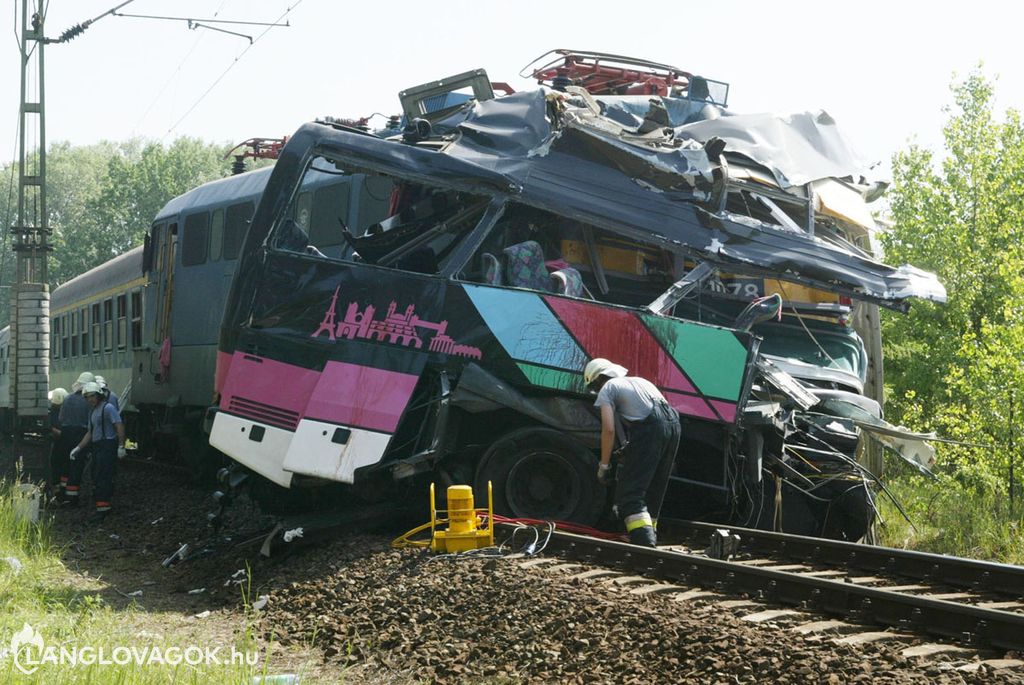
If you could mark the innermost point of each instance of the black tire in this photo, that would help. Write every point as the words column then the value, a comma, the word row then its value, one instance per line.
column 541, row 473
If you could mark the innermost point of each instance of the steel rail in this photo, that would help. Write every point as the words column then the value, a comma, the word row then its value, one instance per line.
column 978, row 626
column 973, row 574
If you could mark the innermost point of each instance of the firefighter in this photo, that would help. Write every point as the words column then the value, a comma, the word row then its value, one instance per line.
column 56, row 397
column 74, row 422
column 648, row 431
column 106, row 437
column 109, row 394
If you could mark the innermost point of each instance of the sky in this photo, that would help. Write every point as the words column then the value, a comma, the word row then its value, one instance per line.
column 881, row 69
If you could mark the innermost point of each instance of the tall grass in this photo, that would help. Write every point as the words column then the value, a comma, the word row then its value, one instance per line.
column 68, row 610
column 953, row 518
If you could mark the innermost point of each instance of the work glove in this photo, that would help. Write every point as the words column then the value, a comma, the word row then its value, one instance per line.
column 604, row 472
column 121, row 452
column 74, row 453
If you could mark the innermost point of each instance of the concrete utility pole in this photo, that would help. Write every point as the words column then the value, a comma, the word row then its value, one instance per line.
column 30, row 293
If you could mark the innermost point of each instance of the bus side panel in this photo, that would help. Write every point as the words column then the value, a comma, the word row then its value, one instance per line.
column 334, row 352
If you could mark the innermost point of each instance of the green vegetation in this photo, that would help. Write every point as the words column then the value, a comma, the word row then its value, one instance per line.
column 67, row 611
column 102, row 198
column 958, row 368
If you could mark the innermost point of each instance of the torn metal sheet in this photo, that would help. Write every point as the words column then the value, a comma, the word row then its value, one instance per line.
column 786, row 384
column 650, row 195
column 797, row 148
column 910, row 446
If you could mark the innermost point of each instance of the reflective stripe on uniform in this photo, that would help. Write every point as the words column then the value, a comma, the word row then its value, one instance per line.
column 71, row 491
column 635, row 521
column 102, row 506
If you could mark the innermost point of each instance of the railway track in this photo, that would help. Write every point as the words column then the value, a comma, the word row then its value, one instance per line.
column 973, row 604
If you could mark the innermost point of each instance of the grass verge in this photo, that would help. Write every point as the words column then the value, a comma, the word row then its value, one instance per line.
column 65, row 629
column 953, row 519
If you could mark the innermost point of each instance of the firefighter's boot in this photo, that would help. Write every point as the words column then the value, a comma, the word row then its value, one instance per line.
column 641, row 529
column 643, row 536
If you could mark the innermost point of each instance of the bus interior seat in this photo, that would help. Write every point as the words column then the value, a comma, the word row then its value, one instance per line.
column 525, row 266
column 567, row 281
column 491, row 268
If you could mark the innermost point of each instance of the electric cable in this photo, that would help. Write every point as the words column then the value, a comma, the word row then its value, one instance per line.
column 225, row 72
column 174, row 74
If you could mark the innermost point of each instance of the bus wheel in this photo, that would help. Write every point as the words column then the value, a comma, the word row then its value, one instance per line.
column 542, row 474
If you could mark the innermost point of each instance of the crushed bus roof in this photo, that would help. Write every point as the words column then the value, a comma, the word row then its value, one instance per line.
column 683, row 186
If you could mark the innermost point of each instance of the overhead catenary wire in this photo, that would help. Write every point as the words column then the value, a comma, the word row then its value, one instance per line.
column 229, row 68
column 174, row 74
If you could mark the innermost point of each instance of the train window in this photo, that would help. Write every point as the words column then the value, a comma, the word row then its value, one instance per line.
column 158, row 246
column 216, row 234
column 74, row 334
column 122, row 321
column 83, row 328
column 96, row 330
column 235, row 226
column 108, row 324
column 195, row 244
column 64, row 336
column 136, row 318
column 54, row 338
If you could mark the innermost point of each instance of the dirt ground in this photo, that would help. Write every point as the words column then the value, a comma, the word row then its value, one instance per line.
column 354, row 610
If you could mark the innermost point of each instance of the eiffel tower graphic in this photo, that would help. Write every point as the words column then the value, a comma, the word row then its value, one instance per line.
column 328, row 323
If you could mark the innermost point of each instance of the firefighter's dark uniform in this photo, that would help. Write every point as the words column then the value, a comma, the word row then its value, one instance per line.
column 74, row 423
column 103, row 443
column 650, row 430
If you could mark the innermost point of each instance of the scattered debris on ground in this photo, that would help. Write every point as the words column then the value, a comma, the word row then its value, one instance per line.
column 357, row 609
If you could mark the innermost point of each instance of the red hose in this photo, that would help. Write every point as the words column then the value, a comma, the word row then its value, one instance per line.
column 568, row 526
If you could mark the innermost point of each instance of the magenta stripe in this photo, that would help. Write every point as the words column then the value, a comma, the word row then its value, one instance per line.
column 690, row 405
column 221, row 372
column 268, row 381
column 726, row 409
column 361, row 396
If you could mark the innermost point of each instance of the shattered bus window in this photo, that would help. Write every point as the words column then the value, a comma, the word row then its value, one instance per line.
column 374, row 219
column 540, row 250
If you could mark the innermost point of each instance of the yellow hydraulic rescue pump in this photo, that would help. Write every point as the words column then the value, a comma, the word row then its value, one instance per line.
column 466, row 526
column 464, row 531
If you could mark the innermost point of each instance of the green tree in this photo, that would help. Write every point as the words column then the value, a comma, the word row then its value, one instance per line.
column 102, row 198
column 959, row 367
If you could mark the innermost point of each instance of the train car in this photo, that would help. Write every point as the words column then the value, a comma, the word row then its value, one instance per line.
column 190, row 255
column 444, row 335
column 95, row 324
column 147, row 320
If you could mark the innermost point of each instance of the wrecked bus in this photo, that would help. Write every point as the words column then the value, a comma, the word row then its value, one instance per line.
column 427, row 312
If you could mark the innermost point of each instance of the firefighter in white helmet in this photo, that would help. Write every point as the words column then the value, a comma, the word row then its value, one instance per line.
column 56, row 397
column 74, row 423
column 632, row 408
column 106, row 437
column 109, row 394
